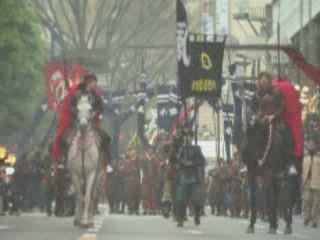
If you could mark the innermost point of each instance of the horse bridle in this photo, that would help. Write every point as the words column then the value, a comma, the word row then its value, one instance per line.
column 268, row 147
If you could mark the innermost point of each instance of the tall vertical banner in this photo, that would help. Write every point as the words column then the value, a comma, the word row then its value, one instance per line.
column 55, row 75
column 240, row 95
column 222, row 17
column 228, row 116
column 206, row 69
column 183, row 57
column 199, row 62
column 168, row 107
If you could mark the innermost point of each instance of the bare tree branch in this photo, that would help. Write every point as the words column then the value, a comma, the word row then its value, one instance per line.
column 110, row 25
column 96, row 22
column 68, row 21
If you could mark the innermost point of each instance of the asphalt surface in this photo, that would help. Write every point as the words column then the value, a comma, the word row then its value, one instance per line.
column 39, row 227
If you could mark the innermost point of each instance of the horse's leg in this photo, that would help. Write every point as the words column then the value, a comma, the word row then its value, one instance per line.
column 79, row 200
column 290, row 202
column 253, row 200
column 273, row 192
column 88, row 200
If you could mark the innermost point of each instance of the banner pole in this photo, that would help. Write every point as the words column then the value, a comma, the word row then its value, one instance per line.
column 278, row 41
column 196, row 102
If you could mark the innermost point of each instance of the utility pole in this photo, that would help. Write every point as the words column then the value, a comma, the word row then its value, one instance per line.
column 301, row 35
column 310, row 54
column 214, row 7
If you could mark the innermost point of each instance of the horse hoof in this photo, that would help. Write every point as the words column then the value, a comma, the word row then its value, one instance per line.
column 76, row 223
column 84, row 226
column 250, row 229
column 272, row 230
column 288, row 230
column 91, row 225
column 180, row 224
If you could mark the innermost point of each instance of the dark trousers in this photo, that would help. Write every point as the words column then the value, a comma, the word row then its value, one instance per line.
column 188, row 193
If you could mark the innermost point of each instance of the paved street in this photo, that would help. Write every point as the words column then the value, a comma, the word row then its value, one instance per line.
column 39, row 227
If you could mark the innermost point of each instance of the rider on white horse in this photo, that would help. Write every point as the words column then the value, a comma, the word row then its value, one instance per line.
column 90, row 85
column 68, row 112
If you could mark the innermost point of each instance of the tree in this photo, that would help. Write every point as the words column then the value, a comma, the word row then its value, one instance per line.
column 99, row 31
column 21, row 60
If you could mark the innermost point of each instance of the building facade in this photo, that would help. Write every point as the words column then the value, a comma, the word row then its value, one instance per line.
column 300, row 25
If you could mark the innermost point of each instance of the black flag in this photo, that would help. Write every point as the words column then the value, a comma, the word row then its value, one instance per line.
column 248, row 93
column 183, row 57
column 205, row 71
column 228, row 116
column 168, row 107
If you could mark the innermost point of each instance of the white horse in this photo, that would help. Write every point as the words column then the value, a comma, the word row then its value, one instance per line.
column 84, row 161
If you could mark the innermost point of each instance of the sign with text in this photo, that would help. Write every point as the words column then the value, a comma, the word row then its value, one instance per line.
column 205, row 72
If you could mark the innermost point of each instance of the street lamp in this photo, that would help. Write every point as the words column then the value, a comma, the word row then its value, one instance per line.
column 3, row 153
column 11, row 159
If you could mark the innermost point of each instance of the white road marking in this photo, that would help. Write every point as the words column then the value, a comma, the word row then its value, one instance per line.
column 195, row 232
column 88, row 237
column 92, row 232
column 35, row 214
column 4, row 227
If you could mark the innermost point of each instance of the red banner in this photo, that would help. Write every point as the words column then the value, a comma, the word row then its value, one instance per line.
column 55, row 75
column 310, row 70
column 182, row 117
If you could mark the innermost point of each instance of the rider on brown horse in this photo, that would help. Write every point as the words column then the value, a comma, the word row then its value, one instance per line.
column 269, row 105
column 270, row 142
column 268, row 101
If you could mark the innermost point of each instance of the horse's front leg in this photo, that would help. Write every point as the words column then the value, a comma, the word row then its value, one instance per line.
column 289, row 203
column 273, row 193
column 253, row 201
column 88, row 201
column 79, row 200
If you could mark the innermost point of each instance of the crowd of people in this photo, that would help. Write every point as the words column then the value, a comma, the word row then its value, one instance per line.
column 144, row 186
column 35, row 187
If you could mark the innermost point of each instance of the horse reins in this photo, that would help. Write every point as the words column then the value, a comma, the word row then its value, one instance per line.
column 83, row 173
column 267, row 149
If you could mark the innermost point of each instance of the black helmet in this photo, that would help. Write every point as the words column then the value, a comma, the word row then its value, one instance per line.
column 89, row 77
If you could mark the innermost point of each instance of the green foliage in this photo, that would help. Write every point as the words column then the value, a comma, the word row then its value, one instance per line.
column 21, row 63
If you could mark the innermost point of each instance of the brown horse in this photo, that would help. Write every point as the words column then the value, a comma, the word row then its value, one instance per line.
column 267, row 153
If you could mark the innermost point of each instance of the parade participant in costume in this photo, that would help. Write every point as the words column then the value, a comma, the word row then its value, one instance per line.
column 269, row 104
column 190, row 165
column 311, row 181
column 292, row 117
column 67, row 114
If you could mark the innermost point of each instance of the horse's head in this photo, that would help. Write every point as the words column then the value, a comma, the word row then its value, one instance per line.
column 84, row 109
column 254, row 136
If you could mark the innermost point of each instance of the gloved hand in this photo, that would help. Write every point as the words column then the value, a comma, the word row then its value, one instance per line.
column 292, row 171
column 269, row 118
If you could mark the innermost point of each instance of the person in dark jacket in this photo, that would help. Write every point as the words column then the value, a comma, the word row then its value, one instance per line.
column 189, row 185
